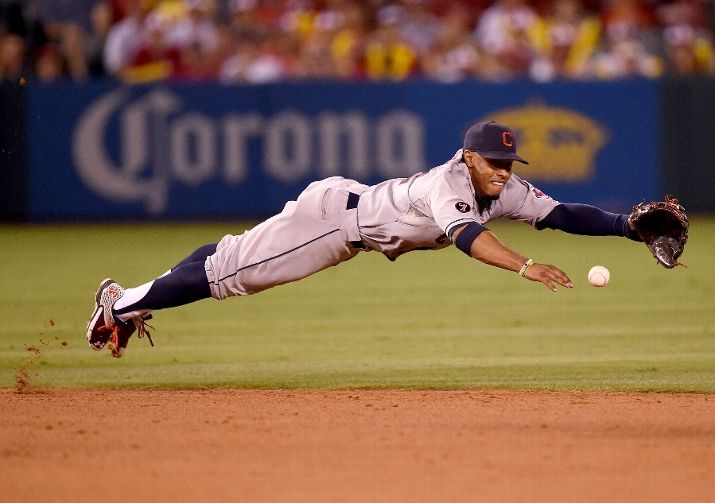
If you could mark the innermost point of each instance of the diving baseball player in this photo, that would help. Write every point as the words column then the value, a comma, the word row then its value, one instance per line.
column 335, row 219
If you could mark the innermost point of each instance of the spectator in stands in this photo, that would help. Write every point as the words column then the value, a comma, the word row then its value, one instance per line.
column 387, row 55
column 314, row 58
column 255, row 61
column 12, row 54
column 18, row 38
column 419, row 27
column 505, row 34
column 15, row 36
column 196, row 28
column 687, row 52
column 195, row 36
column 49, row 65
column 633, row 16
column 688, row 47
column 101, row 23
column 67, row 25
column 155, row 58
column 330, row 41
column 626, row 52
column 126, row 37
column 357, row 39
column 242, row 16
column 347, row 45
column 267, row 14
column 454, row 55
column 566, row 39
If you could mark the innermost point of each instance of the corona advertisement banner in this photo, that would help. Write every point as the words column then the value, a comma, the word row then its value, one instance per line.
column 102, row 150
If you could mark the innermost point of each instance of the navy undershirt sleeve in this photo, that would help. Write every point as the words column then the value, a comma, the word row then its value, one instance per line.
column 576, row 218
column 467, row 236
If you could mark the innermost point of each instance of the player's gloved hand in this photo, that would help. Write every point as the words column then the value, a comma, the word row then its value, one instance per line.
column 663, row 227
column 549, row 275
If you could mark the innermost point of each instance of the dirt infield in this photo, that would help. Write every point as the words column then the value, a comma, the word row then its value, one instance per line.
column 355, row 446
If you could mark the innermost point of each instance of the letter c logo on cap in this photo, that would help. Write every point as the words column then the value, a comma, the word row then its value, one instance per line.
column 507, row 139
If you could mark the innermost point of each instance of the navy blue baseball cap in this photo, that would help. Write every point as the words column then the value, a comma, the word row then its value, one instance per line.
column 492, row 141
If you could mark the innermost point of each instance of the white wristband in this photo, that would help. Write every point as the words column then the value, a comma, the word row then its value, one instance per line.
column 525, row 267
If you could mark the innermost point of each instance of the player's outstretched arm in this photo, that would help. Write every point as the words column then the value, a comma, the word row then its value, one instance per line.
column 488, row 248
column 583, row 219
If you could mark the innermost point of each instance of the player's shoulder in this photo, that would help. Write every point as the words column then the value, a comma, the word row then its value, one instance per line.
column 449, row 171
column 517, row 184
column 515, row 192
column 451, row 163
column 453, row 167
column 521, row 188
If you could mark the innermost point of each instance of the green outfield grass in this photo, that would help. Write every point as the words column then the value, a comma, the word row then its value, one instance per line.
column 429, row 320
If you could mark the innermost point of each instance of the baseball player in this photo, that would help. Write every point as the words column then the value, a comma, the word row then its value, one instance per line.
column 335, row 219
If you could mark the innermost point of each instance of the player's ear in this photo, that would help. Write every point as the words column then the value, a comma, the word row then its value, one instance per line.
column 468, row 157
column 471, row 158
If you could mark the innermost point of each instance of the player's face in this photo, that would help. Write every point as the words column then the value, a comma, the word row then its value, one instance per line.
column 489, row 176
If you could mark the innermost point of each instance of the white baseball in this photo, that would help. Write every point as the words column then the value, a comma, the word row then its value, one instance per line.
column 599, row 276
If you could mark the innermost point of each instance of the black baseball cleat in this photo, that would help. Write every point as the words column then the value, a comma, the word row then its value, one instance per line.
column 103, row 328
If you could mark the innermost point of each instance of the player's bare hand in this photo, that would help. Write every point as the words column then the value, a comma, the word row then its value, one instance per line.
column 549, row 275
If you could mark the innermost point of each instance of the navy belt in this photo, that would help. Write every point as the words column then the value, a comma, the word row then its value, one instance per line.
column 352, row 203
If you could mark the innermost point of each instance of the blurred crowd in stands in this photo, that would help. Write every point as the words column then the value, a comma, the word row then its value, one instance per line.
column 257, row 41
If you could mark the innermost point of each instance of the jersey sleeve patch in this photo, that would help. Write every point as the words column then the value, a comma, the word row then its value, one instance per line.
column 538, row 194
column 462, row 207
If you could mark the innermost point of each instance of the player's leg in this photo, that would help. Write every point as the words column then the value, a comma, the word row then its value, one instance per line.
column 120, row 312
column 309, row 235
column 315, row 232
column 199, row 255
column 184, row 283
column 281, row 249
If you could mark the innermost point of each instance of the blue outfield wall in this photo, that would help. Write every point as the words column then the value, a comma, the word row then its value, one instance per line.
column 102, row 150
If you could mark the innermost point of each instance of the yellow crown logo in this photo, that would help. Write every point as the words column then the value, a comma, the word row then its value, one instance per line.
column 560, row 144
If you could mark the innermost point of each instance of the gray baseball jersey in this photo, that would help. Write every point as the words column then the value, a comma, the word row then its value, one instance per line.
column 334, row 219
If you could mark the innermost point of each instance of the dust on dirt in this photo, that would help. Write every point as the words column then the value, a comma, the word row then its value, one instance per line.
column 26, row 373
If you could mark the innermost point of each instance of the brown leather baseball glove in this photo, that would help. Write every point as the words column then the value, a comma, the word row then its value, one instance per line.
column 663, row 227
